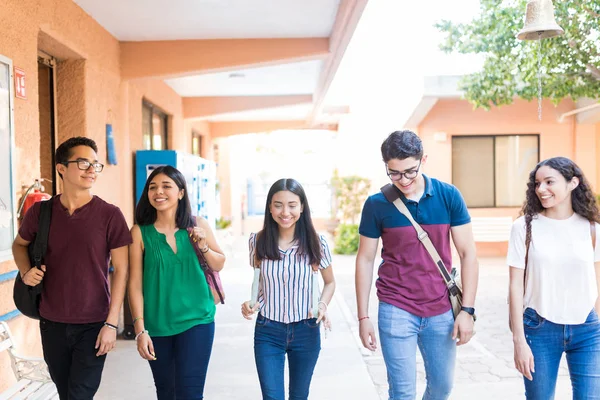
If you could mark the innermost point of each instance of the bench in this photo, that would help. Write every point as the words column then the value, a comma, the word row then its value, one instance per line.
column 491, row 229
column 33, row 378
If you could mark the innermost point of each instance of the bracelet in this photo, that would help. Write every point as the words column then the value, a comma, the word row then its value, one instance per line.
column 140, row 334
column 137, row 319
column 111, row 326
column 361, row 318
column 322, row 302
column 205, row 249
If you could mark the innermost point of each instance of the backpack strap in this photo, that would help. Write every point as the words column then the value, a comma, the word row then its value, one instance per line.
column 41, row 240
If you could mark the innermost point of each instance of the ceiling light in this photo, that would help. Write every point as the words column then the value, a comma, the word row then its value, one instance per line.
column 234, row 75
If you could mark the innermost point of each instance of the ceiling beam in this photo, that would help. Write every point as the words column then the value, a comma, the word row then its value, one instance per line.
column 197, row 107
column 348, row 15
column 230, row 128
column 176, row 58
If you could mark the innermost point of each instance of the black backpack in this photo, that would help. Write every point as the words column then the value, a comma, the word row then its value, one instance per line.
column 27, row 298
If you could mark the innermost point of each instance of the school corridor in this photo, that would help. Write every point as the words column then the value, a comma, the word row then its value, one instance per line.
column 345, row 370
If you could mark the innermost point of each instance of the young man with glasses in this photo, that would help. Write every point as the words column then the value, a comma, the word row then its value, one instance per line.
column 414, row 308
column 79, row 314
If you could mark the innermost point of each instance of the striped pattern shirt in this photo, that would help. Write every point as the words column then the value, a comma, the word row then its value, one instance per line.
column 285, row 289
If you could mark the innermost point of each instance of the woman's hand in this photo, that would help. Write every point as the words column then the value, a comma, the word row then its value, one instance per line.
column 199, row 235
column 247, row 311
column 324, row 317
column 145, row 347
column 524, row 359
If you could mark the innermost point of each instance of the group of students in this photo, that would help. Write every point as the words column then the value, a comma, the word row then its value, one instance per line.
column 552, row 255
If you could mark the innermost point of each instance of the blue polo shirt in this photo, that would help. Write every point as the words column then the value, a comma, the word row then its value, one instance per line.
column 408, row 278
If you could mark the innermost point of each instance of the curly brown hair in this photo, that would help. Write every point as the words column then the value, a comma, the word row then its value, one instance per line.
column 582, row 197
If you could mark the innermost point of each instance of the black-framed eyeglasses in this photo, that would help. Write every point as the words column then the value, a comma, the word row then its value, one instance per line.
column 396, row 176
column 84, row 165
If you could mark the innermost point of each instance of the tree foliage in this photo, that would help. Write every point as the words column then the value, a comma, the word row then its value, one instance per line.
column 570, row 64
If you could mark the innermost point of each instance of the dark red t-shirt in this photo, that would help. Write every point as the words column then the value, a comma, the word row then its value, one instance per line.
column 76, row 287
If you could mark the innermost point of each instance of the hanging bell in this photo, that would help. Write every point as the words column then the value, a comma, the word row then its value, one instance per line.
column 539, row 21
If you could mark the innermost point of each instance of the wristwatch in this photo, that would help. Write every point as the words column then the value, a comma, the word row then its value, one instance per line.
column 470, row 311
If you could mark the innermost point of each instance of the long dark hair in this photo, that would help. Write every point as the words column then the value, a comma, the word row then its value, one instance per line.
column 582, row 197
column 267, row 243
column 145, row 214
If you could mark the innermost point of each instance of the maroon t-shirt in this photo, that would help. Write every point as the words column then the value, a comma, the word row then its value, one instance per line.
column 76, row 287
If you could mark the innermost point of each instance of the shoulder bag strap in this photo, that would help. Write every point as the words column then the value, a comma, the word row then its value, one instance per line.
column 41, row 240
column 392, row 196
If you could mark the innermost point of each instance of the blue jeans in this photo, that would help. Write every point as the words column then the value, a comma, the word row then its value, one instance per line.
column 548, row 341
column 400, row 332
column 181, row 363
column 301, row 341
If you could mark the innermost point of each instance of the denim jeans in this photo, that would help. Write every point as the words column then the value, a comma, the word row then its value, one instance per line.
column 69, row 351
column 301, row 341
column 181, row 363
column 548, row 341
column 400, row 332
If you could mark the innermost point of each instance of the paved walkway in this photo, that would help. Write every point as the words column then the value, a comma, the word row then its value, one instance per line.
column 345, row 370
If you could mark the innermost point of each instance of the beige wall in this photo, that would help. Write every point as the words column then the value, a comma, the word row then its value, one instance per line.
column 90, row 94
column 457, row 117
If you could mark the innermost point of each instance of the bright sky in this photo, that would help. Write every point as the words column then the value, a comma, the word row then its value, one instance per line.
column 394, row 47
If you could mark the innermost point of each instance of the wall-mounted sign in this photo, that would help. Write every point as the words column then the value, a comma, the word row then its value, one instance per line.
column 20, row 91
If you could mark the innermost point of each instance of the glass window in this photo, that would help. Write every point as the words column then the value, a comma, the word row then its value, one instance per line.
column 492, row 171
column 154, row 127
column 196, row 143
column 7, row 207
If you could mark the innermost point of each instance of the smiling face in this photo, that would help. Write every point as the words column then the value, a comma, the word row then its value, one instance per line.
column 406, row 174
column 285, row 209
column 552, row 188
column 163, row 193
column 73, row 177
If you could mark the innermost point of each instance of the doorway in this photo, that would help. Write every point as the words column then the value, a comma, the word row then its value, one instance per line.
column 47, row 110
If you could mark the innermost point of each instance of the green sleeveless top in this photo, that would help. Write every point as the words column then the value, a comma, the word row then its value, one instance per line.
column 176, row 295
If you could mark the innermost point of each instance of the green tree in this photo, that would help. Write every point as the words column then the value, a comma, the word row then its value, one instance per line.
column 570, row 63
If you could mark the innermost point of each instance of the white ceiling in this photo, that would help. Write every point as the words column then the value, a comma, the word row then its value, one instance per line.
column 283, row 79
column 297, row 112
column 139, row 20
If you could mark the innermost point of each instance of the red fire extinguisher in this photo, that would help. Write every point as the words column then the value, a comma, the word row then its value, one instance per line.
column 33, row 194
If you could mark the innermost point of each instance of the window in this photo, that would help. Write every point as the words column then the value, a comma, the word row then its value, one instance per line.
column 7, row 207
column 154, row 127
column 492, row 171
column 196, row 143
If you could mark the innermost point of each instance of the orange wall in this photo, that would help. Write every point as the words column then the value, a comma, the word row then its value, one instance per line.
column 90, row 93
column 457, row 117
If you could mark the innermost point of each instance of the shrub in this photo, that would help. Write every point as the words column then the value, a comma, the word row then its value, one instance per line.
column 346, row 239
column 222, row 223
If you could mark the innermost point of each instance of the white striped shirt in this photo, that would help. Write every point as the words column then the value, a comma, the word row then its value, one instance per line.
column 285, row 289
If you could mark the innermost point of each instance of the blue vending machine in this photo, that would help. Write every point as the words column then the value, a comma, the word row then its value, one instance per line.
column 200, row 176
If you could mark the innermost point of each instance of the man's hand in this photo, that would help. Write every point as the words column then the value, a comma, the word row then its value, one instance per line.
column 463, row 328
column 34, row 276
column 107, row 338
column 367, row 334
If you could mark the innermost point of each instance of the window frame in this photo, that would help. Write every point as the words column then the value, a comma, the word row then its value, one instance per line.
column 493, row 136
column 6, row 253
column 154, row 110
column 197, row 135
